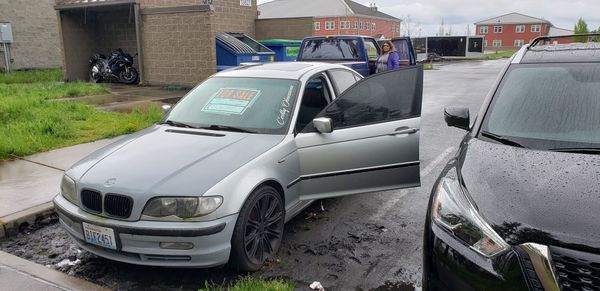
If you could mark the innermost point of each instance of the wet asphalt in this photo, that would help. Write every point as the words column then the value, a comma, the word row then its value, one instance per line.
column 362, row 242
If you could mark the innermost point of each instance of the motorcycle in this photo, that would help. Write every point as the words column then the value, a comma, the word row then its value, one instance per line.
column 118, row 67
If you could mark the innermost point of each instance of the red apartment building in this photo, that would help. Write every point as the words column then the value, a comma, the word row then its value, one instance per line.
column 296, row 19
column 513, row 30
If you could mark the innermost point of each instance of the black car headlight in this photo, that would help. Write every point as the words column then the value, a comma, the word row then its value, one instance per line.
column 68, row 189
column 179, row 208
column 453, row 210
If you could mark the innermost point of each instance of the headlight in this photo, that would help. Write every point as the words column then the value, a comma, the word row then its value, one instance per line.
column 67, row 189
column 453, row 211
column 180, row 208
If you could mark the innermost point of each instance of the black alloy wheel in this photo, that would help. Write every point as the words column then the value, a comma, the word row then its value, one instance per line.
column 129, row 76
column 258, row 231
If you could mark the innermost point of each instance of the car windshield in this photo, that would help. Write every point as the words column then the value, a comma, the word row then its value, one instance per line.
column 548, row 106
column 246, row 104
column 330, row 49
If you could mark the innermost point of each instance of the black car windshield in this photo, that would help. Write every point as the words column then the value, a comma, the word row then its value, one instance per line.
column 330, row 49
column 238, row 104
column 548, row 106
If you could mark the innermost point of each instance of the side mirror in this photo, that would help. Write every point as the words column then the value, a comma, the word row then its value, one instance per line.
column 457, row 117
column 166, row 108
column 323, row 124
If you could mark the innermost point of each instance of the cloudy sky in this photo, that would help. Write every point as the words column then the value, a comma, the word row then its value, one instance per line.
column 426, row 15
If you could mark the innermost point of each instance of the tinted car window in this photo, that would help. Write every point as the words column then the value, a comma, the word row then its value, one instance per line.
column 383, row 97
column 342, row 80
column 548, row 106
column 261, row 105
column 331, row 49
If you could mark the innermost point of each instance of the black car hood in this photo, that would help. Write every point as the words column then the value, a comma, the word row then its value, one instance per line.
column 535, row 196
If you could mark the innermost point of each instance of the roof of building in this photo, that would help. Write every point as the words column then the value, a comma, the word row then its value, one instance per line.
column 555, row 31
column 317, row 8
column 513, row 18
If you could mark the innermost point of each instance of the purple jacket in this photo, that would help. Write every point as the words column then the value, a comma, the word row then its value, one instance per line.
column 393, row 61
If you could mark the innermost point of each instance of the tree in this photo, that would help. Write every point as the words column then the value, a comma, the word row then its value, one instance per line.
column 597, row 38
column 581, row 28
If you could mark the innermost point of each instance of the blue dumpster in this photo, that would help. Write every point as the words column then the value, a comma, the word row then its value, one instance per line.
column 285, row 50
column 233, row 49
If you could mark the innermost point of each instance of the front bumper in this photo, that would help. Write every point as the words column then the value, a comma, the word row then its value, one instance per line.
column 448, row 264
column 138, row 241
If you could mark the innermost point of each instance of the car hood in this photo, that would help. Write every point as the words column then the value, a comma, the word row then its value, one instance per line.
column 535, row 196
column 168, row 161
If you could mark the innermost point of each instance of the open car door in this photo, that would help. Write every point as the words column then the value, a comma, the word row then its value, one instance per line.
column 366, row 140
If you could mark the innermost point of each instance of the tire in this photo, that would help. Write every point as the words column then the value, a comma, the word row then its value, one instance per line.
column 258, row 230
column 129, row 77
column 95, row 77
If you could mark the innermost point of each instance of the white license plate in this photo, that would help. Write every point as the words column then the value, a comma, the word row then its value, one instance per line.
column 100, row 236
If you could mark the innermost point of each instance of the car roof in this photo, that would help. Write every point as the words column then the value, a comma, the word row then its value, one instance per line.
column 559, row 53
column 279, row 70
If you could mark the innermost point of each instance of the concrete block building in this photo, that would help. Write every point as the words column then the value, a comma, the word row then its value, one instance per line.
column 174, row 39
column 35, row 34
column 296, row 19
column 513, row 30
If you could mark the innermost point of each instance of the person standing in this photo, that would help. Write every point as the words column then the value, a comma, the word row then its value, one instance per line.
column 389, row 59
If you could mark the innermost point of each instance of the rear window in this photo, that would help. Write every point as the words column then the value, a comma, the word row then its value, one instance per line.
column 331, row 49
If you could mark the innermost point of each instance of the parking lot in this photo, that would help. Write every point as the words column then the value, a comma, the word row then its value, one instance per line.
column 363, row 242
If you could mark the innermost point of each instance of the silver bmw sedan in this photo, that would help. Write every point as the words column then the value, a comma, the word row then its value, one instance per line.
column 242, row 153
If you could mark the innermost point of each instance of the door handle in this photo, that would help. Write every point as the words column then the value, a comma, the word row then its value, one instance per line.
column 404, row 130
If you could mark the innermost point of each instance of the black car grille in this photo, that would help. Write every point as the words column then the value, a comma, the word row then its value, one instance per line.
column 114, row 205
column 117, row 205
column 92, row 200
column 576, row 270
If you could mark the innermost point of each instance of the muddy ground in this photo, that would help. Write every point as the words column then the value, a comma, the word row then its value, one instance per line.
column 361, row 242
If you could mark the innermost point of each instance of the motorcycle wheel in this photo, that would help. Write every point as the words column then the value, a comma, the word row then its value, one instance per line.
column 95, row 75
column 129, row 76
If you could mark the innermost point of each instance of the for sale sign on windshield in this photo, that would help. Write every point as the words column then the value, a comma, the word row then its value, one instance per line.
column 231, row 101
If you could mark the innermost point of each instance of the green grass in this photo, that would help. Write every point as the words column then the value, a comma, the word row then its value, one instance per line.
column 32, row 122
column 31, row 76
column 427, row 66
column 499, row 55
column 252, row 284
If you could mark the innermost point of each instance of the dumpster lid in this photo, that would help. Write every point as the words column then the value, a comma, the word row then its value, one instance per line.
column 241, row 43
column 280, row 41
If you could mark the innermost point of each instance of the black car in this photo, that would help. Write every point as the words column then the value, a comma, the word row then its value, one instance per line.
column 518, row 207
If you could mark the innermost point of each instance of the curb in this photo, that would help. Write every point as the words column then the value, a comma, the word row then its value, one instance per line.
column 44, row 275
column 12, row 224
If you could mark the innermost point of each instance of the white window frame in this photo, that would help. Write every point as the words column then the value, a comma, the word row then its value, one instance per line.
column 483, row 29
column 329, row 25
column 519, row 42
column 497, row 43
column 355, row 25
column 498, row 28
column 520, row 29
column 536, row 28
column 317, row 25
column 374, row 26
column 362, row 25
column 344, row 24
column 485, row 43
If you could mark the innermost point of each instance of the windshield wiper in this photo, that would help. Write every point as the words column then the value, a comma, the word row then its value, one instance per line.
column 178, row 124
column 227, row 128
column 591, row 151
column 501, row 139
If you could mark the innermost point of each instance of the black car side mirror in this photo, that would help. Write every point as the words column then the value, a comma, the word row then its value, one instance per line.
column 457, row 117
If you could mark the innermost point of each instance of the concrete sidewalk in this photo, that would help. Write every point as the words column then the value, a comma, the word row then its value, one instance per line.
column 28, row 185
column 20, row 274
